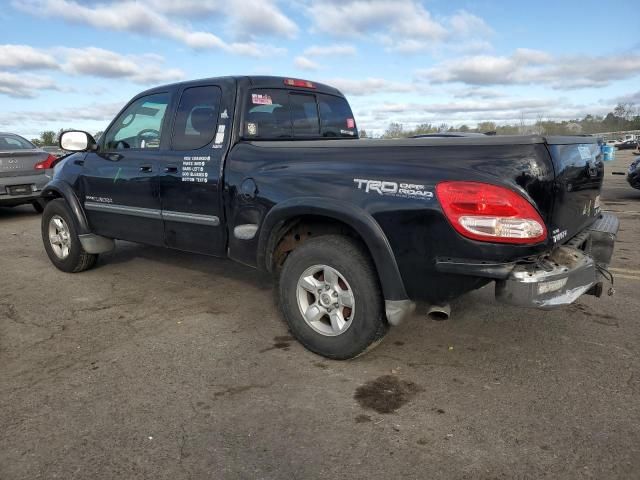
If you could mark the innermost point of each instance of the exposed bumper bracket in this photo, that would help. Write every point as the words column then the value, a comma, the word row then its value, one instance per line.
column 398, row 310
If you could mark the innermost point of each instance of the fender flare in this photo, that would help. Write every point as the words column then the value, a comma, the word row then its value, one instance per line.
column 357, row 218
column 60, row 188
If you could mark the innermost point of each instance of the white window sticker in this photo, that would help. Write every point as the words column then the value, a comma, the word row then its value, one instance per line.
column 252, row 128
column 261, row 99
column 585, row 152
column 220, row 135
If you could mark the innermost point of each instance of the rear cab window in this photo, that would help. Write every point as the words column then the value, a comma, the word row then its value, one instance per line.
column 272, row 114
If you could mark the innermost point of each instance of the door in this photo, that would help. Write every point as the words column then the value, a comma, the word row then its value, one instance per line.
column 191, row 177
column 119, row 181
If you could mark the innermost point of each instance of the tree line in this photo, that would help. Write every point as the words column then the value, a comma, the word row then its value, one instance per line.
column 625, row 116
column 50, row 138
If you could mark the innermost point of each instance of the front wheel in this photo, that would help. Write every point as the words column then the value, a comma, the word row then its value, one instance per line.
column 61, row 240
column 331, row 299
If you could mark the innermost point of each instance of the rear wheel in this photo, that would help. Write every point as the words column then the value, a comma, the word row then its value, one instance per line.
column 61, row 240
column 330, row 297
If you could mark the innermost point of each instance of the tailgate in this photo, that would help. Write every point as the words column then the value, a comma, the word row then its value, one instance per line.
column 579, row 171
column 20, row 162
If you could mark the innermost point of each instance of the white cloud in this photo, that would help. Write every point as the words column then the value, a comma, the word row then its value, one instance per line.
column 370, row 86
column 145, row 17
column 527, row 66
column 247, row 17
column 403, row 26
column 91, row 61
column 358, row 17
column 24, row 57
column 471, row 106
column 475, row 92
column 470, row 25
column 327, row 50
column 91, row 117
column 260, row 17
column 305, row 64
column 97, row 62
column 24, row 85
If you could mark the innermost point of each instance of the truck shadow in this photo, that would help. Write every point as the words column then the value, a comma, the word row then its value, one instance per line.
column 14, row 213
column 126, row 252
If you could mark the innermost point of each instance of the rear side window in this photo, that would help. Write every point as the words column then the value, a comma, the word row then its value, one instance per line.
column 196, row 118
column 12, row 142
column 275, row 114
column 336, row 117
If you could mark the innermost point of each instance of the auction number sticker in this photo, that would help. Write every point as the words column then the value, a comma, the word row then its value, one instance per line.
column 193, row 169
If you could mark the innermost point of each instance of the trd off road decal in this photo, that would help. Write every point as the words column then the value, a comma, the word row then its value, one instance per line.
column 394, row 189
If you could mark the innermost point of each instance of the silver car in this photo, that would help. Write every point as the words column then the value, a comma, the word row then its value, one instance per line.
column 24, row 170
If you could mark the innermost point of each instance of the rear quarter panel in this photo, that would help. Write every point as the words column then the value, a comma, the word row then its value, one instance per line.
column 415, row 226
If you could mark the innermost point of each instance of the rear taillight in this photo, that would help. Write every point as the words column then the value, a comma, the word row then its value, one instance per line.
column 489, row 213
column 46, row 164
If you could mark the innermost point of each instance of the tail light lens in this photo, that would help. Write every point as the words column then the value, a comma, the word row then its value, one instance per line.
column 46, row 164
column 489, row 213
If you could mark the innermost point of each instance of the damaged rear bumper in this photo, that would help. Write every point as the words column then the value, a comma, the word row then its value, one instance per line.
column 566, row 273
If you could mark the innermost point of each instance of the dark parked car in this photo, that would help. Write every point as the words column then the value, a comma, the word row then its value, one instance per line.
column 627, row 145
column 24, row 171
column 633, row 174
column 269, row 171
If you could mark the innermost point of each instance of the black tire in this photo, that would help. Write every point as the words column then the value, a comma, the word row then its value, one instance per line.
column 78, row 260
column 37, row 206
column 368, row 324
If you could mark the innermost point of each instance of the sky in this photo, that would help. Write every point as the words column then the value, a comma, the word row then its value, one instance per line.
column 74, row 64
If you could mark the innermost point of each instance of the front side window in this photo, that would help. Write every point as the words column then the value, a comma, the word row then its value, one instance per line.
column 13, row 142
column 140, row 125
column 196, row 118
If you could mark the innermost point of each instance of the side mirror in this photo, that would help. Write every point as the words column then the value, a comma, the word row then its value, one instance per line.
column 77, row 141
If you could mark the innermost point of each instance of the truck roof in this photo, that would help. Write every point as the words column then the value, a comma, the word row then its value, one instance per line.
column 254, row 81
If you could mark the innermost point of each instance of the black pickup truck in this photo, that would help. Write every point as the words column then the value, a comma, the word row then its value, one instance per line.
column 270, row 172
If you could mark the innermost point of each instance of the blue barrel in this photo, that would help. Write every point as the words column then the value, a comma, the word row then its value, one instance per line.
column 609, row 153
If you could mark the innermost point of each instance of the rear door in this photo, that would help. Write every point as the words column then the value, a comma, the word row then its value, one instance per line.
column 579, row 171
column 120, row 181
column 192, row 170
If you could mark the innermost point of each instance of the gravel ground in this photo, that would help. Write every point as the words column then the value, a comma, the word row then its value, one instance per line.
column 165, row 365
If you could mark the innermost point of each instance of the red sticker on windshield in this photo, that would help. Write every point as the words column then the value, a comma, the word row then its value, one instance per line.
column 351, row 123
column 261, row 99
